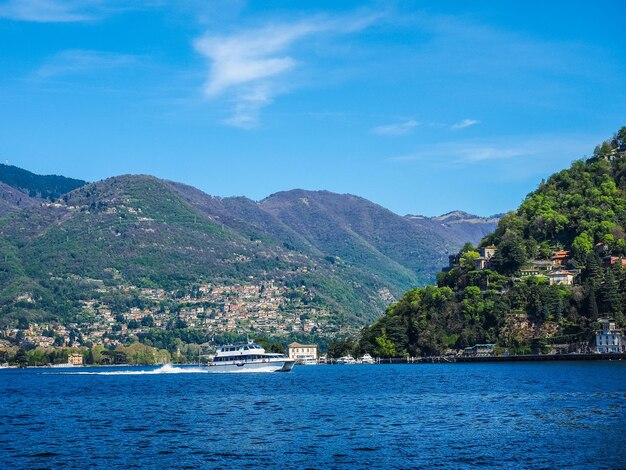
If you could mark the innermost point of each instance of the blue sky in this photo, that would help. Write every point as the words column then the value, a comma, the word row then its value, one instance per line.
column 422, row 107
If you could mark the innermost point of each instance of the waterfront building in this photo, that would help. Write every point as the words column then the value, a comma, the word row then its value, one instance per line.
column 479, row 350
column 302, row 352
column 75, row 359
column 608, row 338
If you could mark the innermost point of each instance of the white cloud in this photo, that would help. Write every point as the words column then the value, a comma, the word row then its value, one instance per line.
column 402, row 128
column 250, row 67
column 74, row 61
column 516, row 156
column 465, row 123
column 71, row 11
column 464, row 152
column 45, row 11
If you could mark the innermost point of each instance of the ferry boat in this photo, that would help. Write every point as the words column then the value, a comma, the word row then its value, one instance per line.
column 249, row 357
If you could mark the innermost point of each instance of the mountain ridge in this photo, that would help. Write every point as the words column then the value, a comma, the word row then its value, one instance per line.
column 339, row 254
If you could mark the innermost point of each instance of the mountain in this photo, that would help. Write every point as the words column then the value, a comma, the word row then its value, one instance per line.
column 37, row 186
column 459, row 227
column 539, row 282
column 319, row 261
column 12, row 199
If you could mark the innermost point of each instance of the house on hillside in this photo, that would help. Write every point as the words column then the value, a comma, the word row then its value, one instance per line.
column 486, row 253
column 561, row 257
column 561, row 277
column 608, row 338
column 610, row 261
column 601, row 248
column 530, row 272
column 543, row 265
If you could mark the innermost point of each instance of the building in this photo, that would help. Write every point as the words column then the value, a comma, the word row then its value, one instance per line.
column 488, row 251
column 75, row 359
column 529, row 272
column 561, row 277
column 561, row 257
column 610, row 261
column 481, row 263
column 479, row 350
column 301, row 352
column 608, row 338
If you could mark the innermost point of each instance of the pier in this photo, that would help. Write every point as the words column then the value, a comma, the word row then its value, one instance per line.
column 511, row 358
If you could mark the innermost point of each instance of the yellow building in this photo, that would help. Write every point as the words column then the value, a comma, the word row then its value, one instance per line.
column 75, row 359
column 302, row 352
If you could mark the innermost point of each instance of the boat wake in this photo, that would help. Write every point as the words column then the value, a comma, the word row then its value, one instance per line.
column 165, row 369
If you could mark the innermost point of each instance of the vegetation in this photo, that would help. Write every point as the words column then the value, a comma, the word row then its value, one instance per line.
column 581, row 210
column 43, row 187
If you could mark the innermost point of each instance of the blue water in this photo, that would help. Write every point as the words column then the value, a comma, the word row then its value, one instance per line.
column 565, row 415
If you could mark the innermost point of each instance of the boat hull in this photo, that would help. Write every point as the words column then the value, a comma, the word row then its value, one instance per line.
column 251, row 367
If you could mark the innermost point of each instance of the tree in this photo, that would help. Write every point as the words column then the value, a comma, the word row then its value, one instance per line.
column 21, row 358
column 609, row 297
column 384, row 346
column 468, row 259
column 342, row 347
column 37, row 357
column 510, row 256
column 582, row 246
column 91, row 360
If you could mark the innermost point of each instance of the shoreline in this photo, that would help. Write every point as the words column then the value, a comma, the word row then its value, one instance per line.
column 513, row 358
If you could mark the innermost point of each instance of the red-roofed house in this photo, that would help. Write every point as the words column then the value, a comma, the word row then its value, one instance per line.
column 561, row 257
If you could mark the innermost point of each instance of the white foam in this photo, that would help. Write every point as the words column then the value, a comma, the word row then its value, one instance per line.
column 165, row 369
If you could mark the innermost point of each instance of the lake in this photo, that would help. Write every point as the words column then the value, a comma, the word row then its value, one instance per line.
column 524, row 415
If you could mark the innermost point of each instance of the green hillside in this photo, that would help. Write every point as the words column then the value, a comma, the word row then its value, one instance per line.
column 540, row 281
column 103, row 241
column 137, row 258
column 37, row 186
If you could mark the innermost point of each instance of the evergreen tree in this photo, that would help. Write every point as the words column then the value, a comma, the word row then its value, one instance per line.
column 21, row 358
column 609, row 296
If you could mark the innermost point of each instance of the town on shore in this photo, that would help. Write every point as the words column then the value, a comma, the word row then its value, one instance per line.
column 609, row 344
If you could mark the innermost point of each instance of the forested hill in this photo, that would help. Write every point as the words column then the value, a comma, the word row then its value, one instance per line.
column 37, row 186
column 134, row 247
column 539, row 282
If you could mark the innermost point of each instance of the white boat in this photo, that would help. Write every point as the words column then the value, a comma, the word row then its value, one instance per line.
column 309, row 361
column 249, row 357
column 366, row 359
column 346, row 360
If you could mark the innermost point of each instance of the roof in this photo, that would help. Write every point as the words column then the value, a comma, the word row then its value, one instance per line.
column 561, row 273
column 298, row 345
column 559, row 254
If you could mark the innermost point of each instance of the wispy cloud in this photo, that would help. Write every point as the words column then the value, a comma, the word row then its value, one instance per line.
column 465, row 123
column 463, row 152
column 250, row 67
column 75, row 61
column 402, row 128
column 517, row 156
column 46, row 11
column 71, row 11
